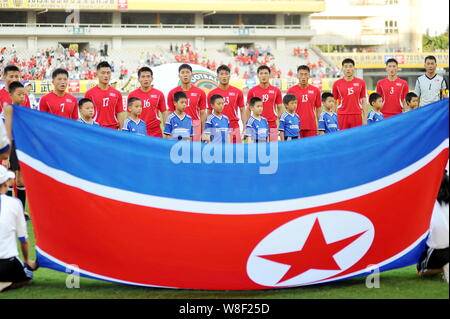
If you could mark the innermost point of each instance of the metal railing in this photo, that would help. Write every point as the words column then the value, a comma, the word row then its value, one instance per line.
column 154, row 26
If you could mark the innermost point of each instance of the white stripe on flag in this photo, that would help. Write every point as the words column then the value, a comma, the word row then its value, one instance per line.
column 242, row 208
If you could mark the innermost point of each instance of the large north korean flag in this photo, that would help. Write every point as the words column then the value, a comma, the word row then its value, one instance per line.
column 132, row 210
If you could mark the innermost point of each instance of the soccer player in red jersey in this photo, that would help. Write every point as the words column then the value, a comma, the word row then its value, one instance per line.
column 352, row 95
column 309, row 103
column 109, row 111
column 11, row 74
column 233, row 101
column 393, row 90
column 196, row 100
column 153, row 102
column 59, row 102
column 272, row 100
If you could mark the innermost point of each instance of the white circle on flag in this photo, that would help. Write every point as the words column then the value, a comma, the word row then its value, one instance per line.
column 336, row 226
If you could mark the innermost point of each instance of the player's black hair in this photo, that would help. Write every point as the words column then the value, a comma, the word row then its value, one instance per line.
column 82, row 101
column 10, row 68
column 262, row 67
column 223, row 67
column 253, row 101
column 179, row 95
column 348, row 60
column 374, row 97
column 131, row 100
column 430, row 57
column 57, row 72
column 288, row 98
column 213, row 98
column 303, row 67
column 444, row 192
column 14, row 86
column 184, row 66
column 326, row 95
column 410, row 96
column 103, row 64
column 391, row 60
column 145, row 69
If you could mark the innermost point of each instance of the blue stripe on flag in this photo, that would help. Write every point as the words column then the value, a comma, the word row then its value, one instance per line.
column 308, row 167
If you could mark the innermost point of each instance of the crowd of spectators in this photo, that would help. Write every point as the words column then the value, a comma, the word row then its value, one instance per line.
column 81, row 65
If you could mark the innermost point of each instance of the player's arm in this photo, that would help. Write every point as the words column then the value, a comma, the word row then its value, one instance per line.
column 279, row 102
column 318, row 105
column 203, row 109
column 163, row 108
column 281, row 126
column 364, row 110
column 336, row 95
column 280, row 109
column 121, row 113
column 417, row 88
column 164, row 115
column 318, row 112
column 403, row 98
column 243, row 116
column 43, row 106
column 208, row 105
column 364, row 106
column 75, row 110
column 203, row 116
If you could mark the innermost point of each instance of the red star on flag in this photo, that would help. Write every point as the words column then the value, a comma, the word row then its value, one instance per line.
column 308, row 257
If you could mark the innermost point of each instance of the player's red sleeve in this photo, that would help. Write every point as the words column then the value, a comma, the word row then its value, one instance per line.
column 170, row 104
column 336, row 92
column 278, row 99
column 75, row 109
column 363, row 93
column 240, row 99
column 318, row 102
column 208, row 101
column 162, row 103
column 43, row 104
column 26, row 103
column 202, row 102
column 119, row 105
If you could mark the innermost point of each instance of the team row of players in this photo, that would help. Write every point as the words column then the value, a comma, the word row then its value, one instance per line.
column 350, row 92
